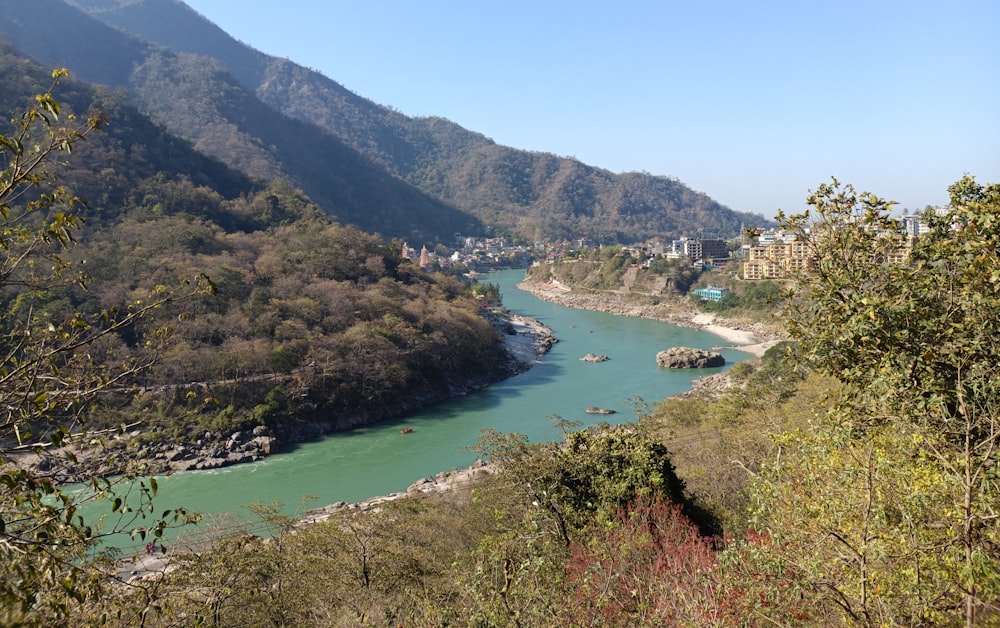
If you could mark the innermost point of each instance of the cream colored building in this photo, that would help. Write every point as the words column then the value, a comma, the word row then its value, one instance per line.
column 777, row 260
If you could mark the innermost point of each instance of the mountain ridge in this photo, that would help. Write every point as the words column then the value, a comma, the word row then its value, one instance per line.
column 455, row 180
column 228, row 123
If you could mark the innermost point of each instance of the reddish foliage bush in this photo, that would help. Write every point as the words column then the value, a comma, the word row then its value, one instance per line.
column 643, row 568
column 651, row 567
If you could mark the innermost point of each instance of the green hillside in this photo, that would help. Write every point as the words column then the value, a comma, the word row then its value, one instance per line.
column 292, row 287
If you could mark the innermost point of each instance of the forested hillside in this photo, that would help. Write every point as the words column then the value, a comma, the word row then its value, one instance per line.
column 337, row 320
column 240, row 106
column 157, row 292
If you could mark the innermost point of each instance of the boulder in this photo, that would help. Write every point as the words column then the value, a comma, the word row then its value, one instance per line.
column 544, row 344
column 420, row 485
column 267, row 445
column 593, row 357
column 261, row 430
column 688, row 358
column 176, row 454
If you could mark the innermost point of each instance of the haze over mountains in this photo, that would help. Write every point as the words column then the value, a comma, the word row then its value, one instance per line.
column 363, row 163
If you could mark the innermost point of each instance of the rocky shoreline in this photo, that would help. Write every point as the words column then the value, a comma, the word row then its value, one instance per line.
column 421, row 489
column 525, row 339
column 749, row 336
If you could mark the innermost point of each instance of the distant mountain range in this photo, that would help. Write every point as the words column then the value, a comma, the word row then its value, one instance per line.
column 364, row 164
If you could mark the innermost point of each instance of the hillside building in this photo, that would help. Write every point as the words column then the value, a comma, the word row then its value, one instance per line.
column 711, row 293
column 699, row 250
column 777, row 260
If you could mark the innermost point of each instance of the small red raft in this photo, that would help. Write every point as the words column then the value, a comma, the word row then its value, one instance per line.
column 406, row 430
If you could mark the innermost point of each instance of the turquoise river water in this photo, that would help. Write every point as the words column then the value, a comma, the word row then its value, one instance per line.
column 378, row 459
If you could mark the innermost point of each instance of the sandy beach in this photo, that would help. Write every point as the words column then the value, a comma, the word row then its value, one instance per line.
column 739, row 339
column 751, row 337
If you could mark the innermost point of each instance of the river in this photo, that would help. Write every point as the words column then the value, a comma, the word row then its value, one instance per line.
column 378, row 459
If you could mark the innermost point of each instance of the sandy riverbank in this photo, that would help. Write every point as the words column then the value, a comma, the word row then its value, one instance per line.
column 749, row 336
column 740, row 339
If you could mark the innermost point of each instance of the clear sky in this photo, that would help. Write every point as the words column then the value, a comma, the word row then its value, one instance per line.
column 753, row 103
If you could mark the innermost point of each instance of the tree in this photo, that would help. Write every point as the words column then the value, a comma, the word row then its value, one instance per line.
column 560, row 516
column 55, row 369
column 361, row 566
column 894, row 490
column 589, row 477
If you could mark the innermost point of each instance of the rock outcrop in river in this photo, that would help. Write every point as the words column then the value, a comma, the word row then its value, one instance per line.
column 687, row 358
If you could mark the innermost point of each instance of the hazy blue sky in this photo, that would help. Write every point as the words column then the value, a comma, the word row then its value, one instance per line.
column 753, row 103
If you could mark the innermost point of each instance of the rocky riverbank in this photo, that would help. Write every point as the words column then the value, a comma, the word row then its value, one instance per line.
column 533, row 338
column 422, row 488
column 525, row 339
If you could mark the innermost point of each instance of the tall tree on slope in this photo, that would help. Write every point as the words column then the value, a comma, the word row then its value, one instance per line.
column 53, row 367
column 892, row 503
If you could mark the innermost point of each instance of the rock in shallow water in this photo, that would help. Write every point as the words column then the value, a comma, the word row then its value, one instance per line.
column 688, row 358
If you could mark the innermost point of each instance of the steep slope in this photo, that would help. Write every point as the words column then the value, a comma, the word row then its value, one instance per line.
column 50, row 32
column 129, row 148
column 176, row 26
column 537, row 195
column 198, row 99
column 311, row 326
